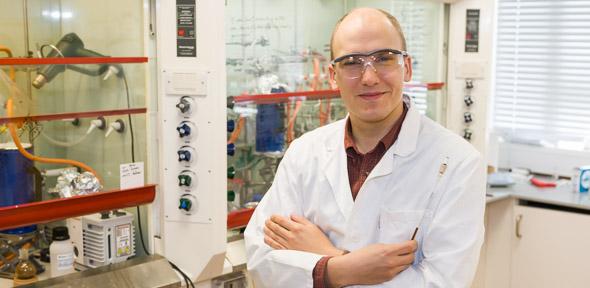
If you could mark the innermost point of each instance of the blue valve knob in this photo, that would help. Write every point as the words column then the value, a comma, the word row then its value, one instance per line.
column 231, row 125
column 257, row 198
column 184, row 130
column 185, row 204
column 231, row 149
column 184, row 155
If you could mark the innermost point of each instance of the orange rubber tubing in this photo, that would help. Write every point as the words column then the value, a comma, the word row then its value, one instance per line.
column 234, row 135
column 13, row 127
column 9, row 52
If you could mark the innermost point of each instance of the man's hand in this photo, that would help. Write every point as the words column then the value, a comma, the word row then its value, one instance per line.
column 297, row 233
column 374, row 264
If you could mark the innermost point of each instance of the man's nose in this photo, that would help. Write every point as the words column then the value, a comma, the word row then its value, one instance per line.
column 369, row 76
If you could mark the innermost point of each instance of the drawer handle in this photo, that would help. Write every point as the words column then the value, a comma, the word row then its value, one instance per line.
column 518, row 220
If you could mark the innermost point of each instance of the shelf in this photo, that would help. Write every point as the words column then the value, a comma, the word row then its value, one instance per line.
column 58, row 209
column 287, row 97
column 315, row 95
column 72, row 115
column 428, row 86
column 72, row 60
column 239, row 218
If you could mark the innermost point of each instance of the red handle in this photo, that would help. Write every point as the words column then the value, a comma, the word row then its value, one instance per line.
column 542, row 184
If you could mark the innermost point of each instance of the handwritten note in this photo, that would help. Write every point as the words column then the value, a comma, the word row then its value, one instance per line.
column 132, row 175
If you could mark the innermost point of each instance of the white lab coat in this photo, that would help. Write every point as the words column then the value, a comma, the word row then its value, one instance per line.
column 404, row 190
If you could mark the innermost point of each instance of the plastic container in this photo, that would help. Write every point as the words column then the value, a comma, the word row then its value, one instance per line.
column 17, row 182
column 581, row 179
column 231, row 204
column 61, row 252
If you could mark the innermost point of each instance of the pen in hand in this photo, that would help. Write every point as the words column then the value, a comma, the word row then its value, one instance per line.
column 441, row 171
column 415, row 232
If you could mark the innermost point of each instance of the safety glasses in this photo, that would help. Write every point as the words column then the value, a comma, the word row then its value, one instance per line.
column 383, row 62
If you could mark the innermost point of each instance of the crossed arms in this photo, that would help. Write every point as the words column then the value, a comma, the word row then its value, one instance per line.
column 373, row 264
column 283, row 250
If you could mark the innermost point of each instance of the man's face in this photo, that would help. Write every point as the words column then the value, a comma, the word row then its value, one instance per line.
column 375, row 94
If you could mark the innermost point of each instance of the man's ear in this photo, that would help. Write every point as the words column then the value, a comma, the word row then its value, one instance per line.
column 408, row 69
column 333, row 84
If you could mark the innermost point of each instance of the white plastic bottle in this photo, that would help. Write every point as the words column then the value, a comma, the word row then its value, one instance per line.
column 62, row 252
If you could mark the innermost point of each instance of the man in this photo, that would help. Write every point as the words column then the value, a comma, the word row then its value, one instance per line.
column 404, row 195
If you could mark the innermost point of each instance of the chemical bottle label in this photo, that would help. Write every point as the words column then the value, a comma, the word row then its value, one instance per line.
column 65, row 261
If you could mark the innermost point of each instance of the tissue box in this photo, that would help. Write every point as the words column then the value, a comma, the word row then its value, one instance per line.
column 581, row 179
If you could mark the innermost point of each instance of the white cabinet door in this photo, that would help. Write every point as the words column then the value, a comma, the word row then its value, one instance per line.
column 496, row 255
column 480, row 274
column 552, row 248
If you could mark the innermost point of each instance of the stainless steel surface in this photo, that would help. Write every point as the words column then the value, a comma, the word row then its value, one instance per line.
column 232, row 280
column 149, row 271
column 39, row 81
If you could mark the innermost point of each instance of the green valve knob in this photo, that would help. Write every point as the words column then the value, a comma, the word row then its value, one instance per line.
column 231, row 172
column 184, row 180
column 185, row 204
column 231, row 195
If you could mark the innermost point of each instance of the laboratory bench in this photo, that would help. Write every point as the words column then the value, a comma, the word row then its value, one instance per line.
column 535, row 237
column 144, row 271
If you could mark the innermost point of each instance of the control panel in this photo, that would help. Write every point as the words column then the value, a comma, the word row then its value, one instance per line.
column 189, row 214
column 187, row 133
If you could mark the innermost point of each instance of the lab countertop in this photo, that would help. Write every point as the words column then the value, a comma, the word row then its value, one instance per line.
column 561, row 196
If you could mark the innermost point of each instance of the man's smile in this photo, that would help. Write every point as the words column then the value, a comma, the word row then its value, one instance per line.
column 372, row 95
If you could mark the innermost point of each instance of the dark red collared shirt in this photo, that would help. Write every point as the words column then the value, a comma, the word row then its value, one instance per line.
column 359, row 167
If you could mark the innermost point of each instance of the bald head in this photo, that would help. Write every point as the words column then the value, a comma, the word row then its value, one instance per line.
column 361, row 17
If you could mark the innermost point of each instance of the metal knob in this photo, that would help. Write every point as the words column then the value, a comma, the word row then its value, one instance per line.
column 184, row 180
column 468, row 100
column 185, row 204
column 184, row 105
column 231, row 126
column 184, row 130
column 467, row 134
column 231, row 172
column 468, row 117
column 231, row 149
column 184, row 155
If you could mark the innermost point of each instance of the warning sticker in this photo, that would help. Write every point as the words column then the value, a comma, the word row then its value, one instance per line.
column 186, row 35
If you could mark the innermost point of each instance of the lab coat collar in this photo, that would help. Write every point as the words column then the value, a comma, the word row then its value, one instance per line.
column 405, row 143
column 408, row 136
column 336, row 167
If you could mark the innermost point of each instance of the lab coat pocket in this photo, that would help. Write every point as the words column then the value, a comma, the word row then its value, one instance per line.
column 398, row 226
